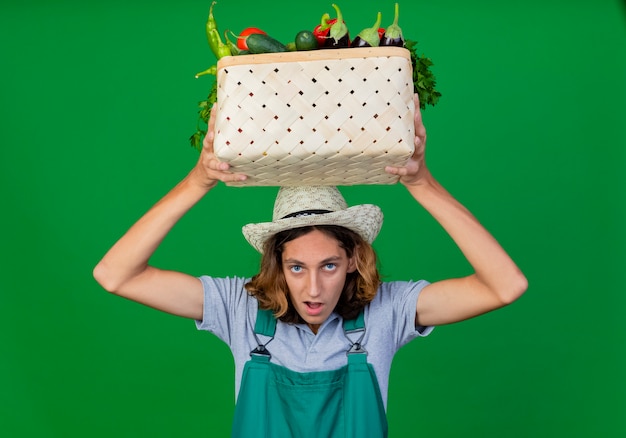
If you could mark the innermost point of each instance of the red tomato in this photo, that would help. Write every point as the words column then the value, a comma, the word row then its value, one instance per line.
column 241, row 38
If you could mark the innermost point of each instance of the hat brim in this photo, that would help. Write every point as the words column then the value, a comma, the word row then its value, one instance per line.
column 365, row 219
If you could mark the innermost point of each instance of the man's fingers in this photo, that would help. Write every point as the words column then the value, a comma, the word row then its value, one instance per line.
column 420, row 130
column 212, row 117
column 235, row 177
column 401, row 171
column 220, row 165
column 230, row 177
column 207, row 143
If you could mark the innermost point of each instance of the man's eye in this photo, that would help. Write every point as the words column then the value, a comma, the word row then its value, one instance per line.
column 330, row 266
column 295, row 268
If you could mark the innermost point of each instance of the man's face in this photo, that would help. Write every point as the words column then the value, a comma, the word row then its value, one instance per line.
column 315, row 268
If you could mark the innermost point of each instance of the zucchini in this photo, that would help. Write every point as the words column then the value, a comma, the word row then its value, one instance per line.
column 259, row 43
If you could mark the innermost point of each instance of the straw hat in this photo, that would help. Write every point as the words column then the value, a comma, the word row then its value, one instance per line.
column 300, row 206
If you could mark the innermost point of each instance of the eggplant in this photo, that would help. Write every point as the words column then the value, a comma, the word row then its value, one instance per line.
column 369, row 37
column 338, row 36
column 393, row 33
column 341, row 43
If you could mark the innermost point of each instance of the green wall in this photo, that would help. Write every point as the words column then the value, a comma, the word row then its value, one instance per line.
column 98, row 100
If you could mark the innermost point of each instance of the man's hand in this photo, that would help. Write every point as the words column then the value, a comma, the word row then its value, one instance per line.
column 209, row 170
column 415, row 170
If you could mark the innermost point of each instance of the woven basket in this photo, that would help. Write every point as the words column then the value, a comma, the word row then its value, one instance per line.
column 322, row 117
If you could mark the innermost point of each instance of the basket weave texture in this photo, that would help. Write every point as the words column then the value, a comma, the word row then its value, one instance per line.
column 324, row 117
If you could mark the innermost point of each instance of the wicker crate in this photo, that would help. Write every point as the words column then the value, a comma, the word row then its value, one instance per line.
column 323, row 117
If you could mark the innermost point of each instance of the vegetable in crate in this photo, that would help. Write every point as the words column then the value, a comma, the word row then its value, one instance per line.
column 338, row 36
column 203, row 116
column 393, row 34
column 424, row 81
column 241, row 38
column 369, row 37
column 220, row 50
column 305, row 40
column 209, row 71
column 234, row 50
column 213, row 36
column 259, row 43
column 321, row 30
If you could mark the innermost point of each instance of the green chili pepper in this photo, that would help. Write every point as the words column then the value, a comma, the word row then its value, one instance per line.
column 213, row 36
column 234, row 50
column 210, row 25
column 209, row 71
column 220, row 49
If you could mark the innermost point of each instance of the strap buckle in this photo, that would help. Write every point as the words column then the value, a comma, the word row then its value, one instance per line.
column 260, row 350
column 356, row 348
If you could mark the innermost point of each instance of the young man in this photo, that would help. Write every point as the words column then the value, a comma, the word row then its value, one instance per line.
column 313, row 334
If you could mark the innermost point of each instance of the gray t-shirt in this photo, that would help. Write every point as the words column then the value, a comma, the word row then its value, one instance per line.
column 230, row 314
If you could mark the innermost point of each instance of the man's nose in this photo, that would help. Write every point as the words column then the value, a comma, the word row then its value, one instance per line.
column 314, row 285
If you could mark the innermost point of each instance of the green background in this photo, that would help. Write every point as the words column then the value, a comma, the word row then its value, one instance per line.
column 98, row 100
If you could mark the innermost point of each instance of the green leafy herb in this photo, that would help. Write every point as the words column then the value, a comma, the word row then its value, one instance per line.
column 203, row 118
column 424, row 81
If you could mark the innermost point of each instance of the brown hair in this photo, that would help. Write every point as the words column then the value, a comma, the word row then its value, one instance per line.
column 270, row 287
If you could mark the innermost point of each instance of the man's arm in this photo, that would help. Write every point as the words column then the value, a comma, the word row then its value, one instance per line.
column 496, row 281
column 125, row 269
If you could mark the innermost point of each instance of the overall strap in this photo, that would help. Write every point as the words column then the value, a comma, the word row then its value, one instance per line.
column 265, row 325
column 356, row 325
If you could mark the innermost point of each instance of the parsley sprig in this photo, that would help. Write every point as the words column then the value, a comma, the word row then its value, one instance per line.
column 203, row 118
column 424, row 81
